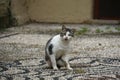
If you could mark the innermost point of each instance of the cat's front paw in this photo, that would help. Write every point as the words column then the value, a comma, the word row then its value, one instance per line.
column 55, row 68
column 70, row 68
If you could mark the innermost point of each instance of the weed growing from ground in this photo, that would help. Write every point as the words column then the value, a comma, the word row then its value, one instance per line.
column 98, row 30
column 118, row 29
column 82, row 31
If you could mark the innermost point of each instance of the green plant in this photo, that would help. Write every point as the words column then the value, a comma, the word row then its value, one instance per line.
column 98, row 30
column 117, row 28
column 82, row 31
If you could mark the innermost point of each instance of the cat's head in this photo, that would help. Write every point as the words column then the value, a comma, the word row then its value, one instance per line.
column 67, row 33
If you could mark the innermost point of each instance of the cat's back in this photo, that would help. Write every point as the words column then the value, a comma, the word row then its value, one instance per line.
column 54, row 40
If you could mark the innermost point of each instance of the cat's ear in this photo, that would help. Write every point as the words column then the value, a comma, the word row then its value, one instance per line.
column 63, row 28
column 73, row 30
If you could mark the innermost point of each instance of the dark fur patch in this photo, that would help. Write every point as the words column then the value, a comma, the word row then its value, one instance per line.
column 47, row 45
column 48, row 42
column 50, row 49
column 46, row 55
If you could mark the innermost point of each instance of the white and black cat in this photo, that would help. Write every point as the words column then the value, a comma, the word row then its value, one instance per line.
column 58, row 48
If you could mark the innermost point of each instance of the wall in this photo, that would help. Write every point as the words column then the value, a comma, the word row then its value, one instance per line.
column 4, row 13
column 60, row 11
column 19, row 9
column 56, row 11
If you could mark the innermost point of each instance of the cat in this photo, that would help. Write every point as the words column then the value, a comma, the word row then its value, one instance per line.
column 58, row 48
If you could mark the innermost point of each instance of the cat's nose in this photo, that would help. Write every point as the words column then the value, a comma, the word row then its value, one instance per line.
column 66, row 38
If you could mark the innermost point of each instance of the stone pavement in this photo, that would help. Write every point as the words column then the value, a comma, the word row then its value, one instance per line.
column 94, row 57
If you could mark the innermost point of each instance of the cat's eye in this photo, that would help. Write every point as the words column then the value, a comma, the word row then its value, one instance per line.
column 71, row 35
column 64, row 33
